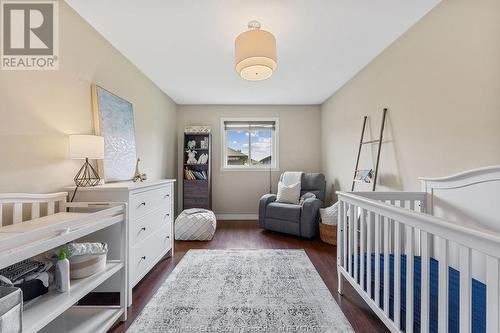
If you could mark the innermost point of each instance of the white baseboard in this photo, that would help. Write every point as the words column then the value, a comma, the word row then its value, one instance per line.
column 237, row 216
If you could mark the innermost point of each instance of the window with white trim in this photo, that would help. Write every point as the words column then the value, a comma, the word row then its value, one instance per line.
column 249, row 143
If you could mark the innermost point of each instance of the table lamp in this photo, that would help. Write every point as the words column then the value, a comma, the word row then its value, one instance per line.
column 86, row 147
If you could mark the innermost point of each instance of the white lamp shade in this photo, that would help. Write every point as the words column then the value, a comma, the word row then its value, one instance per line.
column 255, row 54
column 86, row 146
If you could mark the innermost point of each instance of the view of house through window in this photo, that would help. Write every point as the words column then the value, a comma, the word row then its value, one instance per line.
column 250, row 144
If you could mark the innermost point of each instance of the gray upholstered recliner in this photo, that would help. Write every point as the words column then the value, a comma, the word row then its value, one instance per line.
column 299, row 220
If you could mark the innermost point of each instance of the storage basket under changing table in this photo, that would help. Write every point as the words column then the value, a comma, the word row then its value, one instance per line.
column 11, row 314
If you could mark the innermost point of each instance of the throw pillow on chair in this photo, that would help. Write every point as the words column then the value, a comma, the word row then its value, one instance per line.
column 288, row 193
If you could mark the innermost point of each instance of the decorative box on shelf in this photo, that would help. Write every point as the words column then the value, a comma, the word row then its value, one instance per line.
column 150, row 211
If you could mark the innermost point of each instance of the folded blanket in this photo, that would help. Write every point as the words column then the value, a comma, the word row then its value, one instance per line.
column 25, row 271
column 21, row 269
column 44, row 277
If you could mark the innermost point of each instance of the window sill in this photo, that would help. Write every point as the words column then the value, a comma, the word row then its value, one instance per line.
column 249, row 169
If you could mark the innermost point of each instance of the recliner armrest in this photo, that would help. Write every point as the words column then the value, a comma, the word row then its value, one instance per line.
column 265, row 200
column 309, row 217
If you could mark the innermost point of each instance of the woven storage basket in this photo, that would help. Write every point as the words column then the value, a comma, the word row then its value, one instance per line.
column 86, row 265
column 328, row 233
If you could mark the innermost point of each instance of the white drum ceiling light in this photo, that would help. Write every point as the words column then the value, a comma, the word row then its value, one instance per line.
column 255, row 53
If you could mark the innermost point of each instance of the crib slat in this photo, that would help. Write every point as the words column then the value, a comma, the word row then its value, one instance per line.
column 418, row 250
column 492, row 286
column 465, row 289
column 362, row 249
column 424, row 282
column 386, row 265
column 17, row 213
column 50, row 207
column 377, row 260
column 356, row 245
column 345, row 231
column 340, row 246
column 35, row 210
column 443, row 285
column 397, row 274
column 351, row 238
column 409, row 278
column 1, row 213
column 418, row 246
column 340, row 228
column 369, row 237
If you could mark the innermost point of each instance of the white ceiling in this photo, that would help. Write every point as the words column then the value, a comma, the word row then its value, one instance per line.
column 186, row 46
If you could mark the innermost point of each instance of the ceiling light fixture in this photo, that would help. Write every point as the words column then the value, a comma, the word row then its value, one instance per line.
column 255, row 53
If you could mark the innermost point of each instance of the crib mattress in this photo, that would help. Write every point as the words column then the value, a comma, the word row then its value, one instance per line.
column 478, row 295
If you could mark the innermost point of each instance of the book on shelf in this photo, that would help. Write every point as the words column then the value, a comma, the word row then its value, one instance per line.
column 195, row 175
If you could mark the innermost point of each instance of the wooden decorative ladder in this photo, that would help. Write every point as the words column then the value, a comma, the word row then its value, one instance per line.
column 361, row 144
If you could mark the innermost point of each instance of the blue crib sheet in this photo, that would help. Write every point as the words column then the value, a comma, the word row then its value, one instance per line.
column 478, row 295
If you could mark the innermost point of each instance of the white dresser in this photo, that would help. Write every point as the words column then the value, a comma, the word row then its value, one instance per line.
column 150, row 223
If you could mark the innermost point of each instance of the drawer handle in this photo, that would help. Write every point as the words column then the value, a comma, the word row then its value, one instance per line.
column 166, row 215
column 143, row 228
column 143, row 258
column 166, row 196
column 167, row 238
column 142, row 204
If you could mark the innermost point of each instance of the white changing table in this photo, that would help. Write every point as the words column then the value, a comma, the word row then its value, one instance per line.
column 56, row 312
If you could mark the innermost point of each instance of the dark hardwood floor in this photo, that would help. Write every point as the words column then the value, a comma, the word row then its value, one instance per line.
column 247, row 235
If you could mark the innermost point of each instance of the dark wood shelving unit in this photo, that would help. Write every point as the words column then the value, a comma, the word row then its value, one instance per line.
column 197, row 193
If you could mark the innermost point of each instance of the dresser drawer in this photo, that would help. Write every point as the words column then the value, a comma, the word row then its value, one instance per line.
column 146, row 253
column 148, row 224
column 147, row 201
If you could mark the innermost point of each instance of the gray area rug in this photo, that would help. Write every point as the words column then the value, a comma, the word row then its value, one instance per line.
column 242, row 291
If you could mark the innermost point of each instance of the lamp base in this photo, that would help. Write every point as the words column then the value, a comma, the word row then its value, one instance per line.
column 87, row 176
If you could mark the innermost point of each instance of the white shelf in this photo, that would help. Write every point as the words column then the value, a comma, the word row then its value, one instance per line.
column 84, row 319
column 17, row 243
column 42, row 310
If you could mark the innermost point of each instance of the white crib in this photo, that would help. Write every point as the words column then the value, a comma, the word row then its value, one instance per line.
column 454, row 220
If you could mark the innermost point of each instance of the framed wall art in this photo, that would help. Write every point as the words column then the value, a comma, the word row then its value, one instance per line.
column 114, row 120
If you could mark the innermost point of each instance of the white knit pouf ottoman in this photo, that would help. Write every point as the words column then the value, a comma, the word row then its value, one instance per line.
column 195, row 224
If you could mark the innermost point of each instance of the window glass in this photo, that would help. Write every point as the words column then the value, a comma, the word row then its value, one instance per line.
column 250, row 144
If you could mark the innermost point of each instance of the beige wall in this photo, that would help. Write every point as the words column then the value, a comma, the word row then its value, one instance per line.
column 441, row 83
column 39, row 109
column 237, row 192
column 440, row 80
